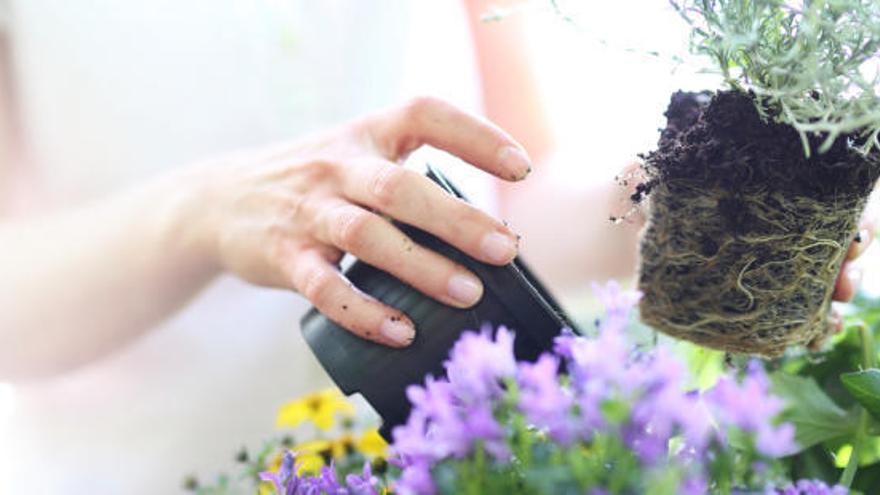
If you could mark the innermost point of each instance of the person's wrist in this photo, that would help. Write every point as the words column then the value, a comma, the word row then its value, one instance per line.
column 191, row 221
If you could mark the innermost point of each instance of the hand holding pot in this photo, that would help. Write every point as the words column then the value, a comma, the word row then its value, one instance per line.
column 283, row 217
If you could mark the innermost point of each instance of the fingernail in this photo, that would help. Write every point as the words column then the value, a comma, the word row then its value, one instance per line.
column 498, row 247
column 515, row 161
column 465, row 289
column 397, row 331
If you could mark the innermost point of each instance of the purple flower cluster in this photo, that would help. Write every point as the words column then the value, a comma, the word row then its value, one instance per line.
column 809, row 487
column 748, row 406
column 450, row 416
column 610, row 390
column 287, row 482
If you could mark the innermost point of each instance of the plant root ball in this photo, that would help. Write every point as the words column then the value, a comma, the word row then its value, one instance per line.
column 746, row 235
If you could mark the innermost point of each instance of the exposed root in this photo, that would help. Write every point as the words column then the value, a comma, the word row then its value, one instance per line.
column 743, row 245
column 754, row 293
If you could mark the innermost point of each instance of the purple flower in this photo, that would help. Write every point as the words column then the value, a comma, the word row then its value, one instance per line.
column 411, row 440
column 694, row 485
column 649, row 446
column 415, row 479
column 449, row 417
column 610, row 393
column 480, row 424
column 434, row 399
column 285, row 480
column 477, row 363
column 617, row 303
column 663, row 404
column 601, row 360
column 750, row 407
column 562, row 344
column 776, row 441
column 457, row 435
column 808, row 487
column 439, row 426
column 364, row 484
column 327, row 483
column 545, row 403
column 747, row 405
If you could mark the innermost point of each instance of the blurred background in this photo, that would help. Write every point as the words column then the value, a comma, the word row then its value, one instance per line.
column 98, row 96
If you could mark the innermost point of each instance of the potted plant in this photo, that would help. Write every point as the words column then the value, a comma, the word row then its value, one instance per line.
column 755, row 190
column 513, row 296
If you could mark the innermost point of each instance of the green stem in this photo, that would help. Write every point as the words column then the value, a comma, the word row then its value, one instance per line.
column 725, row 483
column 480, row 465
column 869, row 351
column 849, row 473
column 869, row 360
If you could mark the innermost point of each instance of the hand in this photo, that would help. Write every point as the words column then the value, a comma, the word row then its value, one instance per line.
column 283, row 217
column 849, row 278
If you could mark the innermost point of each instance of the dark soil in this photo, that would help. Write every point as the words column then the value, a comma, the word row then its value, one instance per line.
column 746, row 234
column 726, row 133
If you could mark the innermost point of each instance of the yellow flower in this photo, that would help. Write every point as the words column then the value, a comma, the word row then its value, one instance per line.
column 309, row 463
column 310, row 455
column 265, row 488
column 275, row 463
column 320, row 408
column 342, row 446
column 372, row 444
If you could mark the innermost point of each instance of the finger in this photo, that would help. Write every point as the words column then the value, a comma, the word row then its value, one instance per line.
column 437, row 123
column 375, row 241
column 414, row 199
column 629, row 200
column 847, row 283
column 862, row 240
column 835, row 321
column 333, row 295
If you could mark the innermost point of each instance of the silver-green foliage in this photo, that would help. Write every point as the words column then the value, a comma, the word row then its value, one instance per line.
column 815, row 63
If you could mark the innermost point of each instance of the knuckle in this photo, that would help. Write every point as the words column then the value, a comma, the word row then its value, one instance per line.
column 294, row 207
column 470, row 214
column 322, row 169
column 316, row 171
column 351, row 228
column 387, row 184
column 318, row 287
column 474, row 222
column 420, row 106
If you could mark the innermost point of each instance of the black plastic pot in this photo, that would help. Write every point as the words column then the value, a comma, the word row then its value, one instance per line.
column 513, row 297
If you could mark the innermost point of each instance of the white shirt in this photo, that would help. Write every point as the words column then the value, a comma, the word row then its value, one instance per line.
column 113, row 92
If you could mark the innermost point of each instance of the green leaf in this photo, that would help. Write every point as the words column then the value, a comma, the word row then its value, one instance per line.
column 815, row 463
column 815, row 416
column 865, row 388
column 868, row 478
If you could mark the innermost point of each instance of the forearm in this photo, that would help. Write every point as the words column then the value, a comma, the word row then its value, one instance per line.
column 571, row 239
column 77, row 285
column 589, row 246
column 510, row 90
